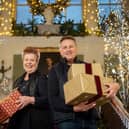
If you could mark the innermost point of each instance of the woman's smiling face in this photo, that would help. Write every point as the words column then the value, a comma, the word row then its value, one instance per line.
column 30, row 62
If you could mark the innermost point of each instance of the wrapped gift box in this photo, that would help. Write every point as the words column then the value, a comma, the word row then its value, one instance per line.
column 94, row 69
column 85, row 87
column 8, row 106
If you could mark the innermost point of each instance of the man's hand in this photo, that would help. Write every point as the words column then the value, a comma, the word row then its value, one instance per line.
column 112, row 89
column 83, row 106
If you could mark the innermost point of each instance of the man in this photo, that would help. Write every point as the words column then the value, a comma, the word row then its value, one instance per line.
column 49, row 63
column 83, row 115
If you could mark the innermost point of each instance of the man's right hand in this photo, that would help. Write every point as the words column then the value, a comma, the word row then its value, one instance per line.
column 83, row 106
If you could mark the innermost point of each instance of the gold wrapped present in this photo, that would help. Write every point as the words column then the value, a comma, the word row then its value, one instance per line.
column 88, row 68
column 8, row 106
column 85, row 87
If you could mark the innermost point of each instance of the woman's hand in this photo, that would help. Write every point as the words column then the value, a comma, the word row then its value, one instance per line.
column 24, row 101
column 83, row 106
column 112, row 89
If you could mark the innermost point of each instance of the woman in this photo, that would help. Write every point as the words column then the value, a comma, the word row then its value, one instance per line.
column 33, row 105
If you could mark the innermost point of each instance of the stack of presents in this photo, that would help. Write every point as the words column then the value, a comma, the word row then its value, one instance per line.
column 86, row 83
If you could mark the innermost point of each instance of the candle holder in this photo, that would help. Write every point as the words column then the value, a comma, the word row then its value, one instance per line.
column 4, row 80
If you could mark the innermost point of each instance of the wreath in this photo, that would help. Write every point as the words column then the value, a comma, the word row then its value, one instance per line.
column 38, row 7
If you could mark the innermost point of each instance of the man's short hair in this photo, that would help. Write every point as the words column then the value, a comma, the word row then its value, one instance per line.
column 67, row 37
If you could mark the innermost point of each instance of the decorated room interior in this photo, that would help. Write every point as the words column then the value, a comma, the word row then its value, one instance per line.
column 101, row 28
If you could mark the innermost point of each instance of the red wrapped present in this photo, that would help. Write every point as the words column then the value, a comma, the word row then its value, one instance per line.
column 8, row 106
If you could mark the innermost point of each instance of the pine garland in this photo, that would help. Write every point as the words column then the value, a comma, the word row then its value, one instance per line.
column 38, row 7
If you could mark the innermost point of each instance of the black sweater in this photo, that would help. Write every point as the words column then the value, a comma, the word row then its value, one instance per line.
column 38, row 115
column 61, row 112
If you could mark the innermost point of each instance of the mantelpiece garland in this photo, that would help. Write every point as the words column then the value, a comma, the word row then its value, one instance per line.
column 38, row 7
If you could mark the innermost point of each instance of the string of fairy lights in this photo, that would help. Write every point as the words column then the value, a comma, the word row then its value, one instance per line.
column 6, row 16
column 117, row 51
column 91, row 16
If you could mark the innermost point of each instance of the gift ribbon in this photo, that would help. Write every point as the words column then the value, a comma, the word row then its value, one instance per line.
column 99, row 89
column 88, row 70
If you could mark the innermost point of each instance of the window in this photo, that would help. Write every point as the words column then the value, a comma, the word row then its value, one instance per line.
column 77, row 15
column 24, row 15
column 106, row 6
column 74, row 11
